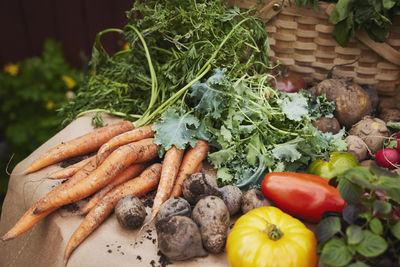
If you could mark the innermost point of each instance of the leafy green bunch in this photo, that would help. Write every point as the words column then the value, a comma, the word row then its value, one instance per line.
column 251, row 128
column 172, row 45
column 368, row 231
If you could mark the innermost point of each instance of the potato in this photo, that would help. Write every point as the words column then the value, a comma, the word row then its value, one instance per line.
column 173, row 207
column 212, row 217
column 372, row 131
column 325, row 124
column 253, row 199
column 352, row 102
column 179, row 238
column 357, row 147
column 130, row 212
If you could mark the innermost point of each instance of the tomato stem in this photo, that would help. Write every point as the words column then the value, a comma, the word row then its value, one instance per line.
column 273, row 231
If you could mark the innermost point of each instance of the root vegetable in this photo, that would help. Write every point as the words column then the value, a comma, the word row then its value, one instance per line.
column 325, row 124
column 357, row 147
column 390, row 115
column 179, row 238
column 388, row 158
column 144, row 183
column 80, row 146
column 175, row 206
column 253, row 199
column 212, row 217
column 130, row 212
column 119, row 160
column 232, row 197
column 199, row 185
column 372, row 131
column 170, row 166
column 190, row 163
column 352, row 102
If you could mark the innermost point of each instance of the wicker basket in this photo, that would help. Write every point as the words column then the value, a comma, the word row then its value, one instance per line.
column 303, row 40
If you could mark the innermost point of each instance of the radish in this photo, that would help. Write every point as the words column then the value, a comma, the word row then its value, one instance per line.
column 388, row 157
column 398, row 140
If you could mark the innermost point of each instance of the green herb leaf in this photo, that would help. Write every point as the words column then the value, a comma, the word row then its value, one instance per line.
column 381, row 207
column 350, row 192
column 351, row 212
column 395, row 229
column 372, row 245
column 376, row 226
column 327, row 228
column 336, row 253
column 354, row 234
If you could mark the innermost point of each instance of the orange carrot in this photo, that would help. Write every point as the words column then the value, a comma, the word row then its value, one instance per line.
column 140, row 151
column 139, row 186
column 199, row 167
column 80, row 146
column 170, row 166
column 191, row 160
column 29, row 219
column 123, row 139
column 130, row 172
column 70, row 170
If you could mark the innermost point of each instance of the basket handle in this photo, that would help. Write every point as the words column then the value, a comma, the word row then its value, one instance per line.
column 382, row 49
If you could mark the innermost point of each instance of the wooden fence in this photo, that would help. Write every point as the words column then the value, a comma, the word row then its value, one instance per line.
column 26, row 24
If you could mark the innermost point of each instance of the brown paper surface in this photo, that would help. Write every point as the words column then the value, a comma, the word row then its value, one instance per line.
column 44, row 244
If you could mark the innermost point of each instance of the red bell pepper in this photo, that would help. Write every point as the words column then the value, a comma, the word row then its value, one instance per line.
column 302, row 195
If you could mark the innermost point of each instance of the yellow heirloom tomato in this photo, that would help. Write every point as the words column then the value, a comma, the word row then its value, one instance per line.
column 269, row 237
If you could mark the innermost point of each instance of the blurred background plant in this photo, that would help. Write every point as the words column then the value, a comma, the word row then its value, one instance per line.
column 31, row 91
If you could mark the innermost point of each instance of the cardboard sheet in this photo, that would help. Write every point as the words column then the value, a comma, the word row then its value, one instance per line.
column 44, row 244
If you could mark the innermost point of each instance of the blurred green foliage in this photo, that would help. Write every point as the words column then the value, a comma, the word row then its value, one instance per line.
column 31, row 91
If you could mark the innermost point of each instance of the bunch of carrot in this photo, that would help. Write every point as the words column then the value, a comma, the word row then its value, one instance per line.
column 125, row 164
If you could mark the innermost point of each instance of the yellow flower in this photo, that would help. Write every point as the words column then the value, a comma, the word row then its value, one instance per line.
column 126, row 46
column 11, row 69
column 69, row 82
column 50, row 105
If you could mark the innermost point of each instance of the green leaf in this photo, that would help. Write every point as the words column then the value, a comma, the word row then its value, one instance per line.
column 351, row 212
column 221, row 156
column 395, row 229
column 381, row 207
column 376, row 226
column 286, row 152
column 327, row 228
column 341, row 11
column 174, row 129
column 350, row 192
column 344, row 31
column 388, row 4
column 336, row 253
column 294, row 106
column 354, row 234
column 210, row 101
column 253, row 149
column 372, row 245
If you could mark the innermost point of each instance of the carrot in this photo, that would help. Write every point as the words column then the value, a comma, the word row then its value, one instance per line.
column 199, row 167
column 139, row 186
column 123, row 139
column 130, row 172
column 170, row 166
column 29, row 219
column 140, row 151
column 190, row 162
column 70, row 170
column 80, row 146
